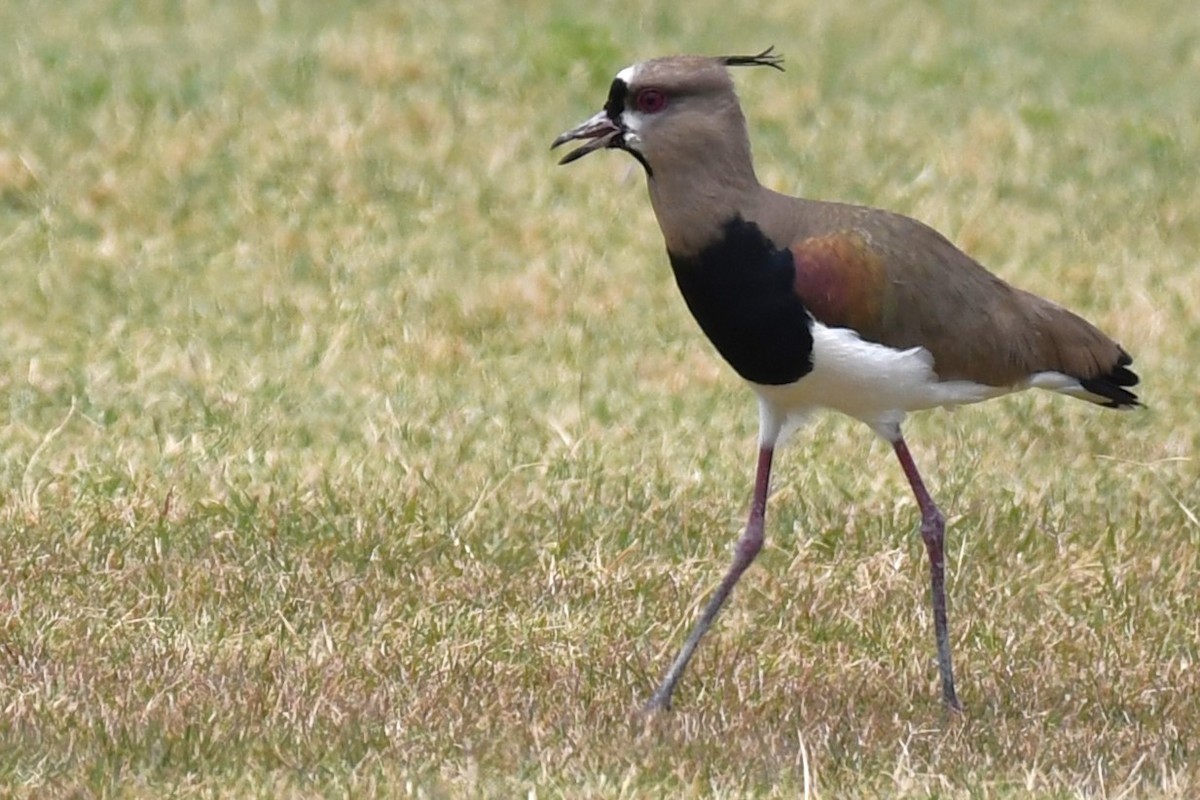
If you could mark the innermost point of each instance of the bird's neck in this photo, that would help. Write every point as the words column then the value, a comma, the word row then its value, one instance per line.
column 695, row 200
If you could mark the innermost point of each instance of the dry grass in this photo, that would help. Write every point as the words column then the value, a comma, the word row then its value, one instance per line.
column 352, row 448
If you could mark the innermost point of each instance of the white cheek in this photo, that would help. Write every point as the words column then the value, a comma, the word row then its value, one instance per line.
column 632, row 122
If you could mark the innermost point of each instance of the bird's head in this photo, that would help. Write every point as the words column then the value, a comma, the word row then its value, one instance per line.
column 670, row 110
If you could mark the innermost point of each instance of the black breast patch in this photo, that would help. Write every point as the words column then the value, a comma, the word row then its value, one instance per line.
column 741, row 289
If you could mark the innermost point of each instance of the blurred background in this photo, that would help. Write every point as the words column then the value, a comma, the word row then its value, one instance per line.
column 348, row 444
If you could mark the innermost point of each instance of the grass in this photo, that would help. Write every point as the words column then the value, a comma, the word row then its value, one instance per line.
column 350, row 447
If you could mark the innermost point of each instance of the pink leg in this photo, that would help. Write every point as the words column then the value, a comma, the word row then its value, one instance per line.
column 933, row 531
column 748, row 545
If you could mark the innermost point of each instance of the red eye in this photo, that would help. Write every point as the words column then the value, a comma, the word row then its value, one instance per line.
column 650, row 101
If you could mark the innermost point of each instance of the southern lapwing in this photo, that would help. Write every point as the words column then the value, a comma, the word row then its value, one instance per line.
column 828, row 305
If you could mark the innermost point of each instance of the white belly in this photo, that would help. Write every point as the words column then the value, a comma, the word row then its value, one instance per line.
column 867, row 381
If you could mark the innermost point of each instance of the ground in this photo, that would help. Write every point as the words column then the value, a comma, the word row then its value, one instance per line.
column 350, row 447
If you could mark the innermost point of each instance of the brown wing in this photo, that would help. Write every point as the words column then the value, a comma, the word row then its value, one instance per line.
column 899, row 283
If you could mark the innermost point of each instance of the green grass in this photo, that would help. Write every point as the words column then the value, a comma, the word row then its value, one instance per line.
column 349, row 447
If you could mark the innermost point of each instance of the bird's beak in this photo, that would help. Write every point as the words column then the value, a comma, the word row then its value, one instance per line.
column 600, row 129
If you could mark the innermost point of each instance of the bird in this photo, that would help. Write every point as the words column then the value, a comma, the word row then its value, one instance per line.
column 827, row 305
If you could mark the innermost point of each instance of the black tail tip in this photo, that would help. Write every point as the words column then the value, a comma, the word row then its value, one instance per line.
column 1111, row 389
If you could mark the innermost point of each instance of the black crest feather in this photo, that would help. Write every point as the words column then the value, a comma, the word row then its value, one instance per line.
column 766, row 58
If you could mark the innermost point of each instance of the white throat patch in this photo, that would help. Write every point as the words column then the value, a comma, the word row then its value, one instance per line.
column 632, row 122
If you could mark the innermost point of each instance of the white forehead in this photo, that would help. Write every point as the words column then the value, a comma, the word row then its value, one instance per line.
column 627, row 75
